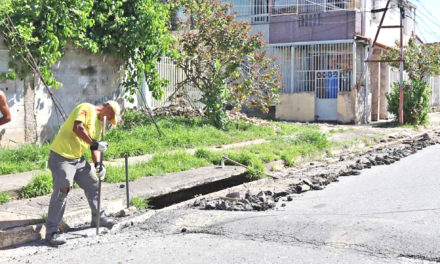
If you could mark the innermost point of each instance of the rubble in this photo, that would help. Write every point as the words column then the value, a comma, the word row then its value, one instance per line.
column 349, row 165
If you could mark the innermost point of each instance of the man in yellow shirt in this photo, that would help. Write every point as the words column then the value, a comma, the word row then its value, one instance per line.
column 81, row 131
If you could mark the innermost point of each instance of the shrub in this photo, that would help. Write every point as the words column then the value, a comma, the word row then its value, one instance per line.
column 416, row 96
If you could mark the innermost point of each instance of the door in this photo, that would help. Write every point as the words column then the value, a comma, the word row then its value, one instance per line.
column 326, row 93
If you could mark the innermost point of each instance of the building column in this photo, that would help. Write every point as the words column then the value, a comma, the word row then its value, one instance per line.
column 384, row 89
column 30, row 121
column 375, row 85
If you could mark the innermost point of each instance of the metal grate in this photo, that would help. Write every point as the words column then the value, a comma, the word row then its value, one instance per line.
column 302, row 64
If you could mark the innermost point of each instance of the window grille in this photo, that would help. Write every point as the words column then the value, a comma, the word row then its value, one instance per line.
column 301, row 62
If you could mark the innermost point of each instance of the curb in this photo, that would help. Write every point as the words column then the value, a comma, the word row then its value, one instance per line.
column 24, row 234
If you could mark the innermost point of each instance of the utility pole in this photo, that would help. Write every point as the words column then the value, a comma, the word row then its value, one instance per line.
column 402, row 16
column 370, row 53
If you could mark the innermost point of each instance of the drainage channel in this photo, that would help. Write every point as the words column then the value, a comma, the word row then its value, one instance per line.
column 169, row 199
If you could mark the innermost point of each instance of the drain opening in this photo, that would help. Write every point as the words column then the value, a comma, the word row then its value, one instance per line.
column 166, row 200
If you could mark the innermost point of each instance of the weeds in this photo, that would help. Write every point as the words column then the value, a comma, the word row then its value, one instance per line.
column 159, row 164
column 141, row 203
column 40, row 185
column 25, row 158
column 5, row 197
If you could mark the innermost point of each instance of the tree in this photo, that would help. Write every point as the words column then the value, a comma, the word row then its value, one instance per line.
column 135, row 31
column 223, row 60
column 420, row 61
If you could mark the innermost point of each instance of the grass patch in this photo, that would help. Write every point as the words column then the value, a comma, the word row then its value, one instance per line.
column 40, row 185
column 159, row 164
column 138, row 136
column 308, row 142
column 24, row 158
column 141, row 203
column 5, row 197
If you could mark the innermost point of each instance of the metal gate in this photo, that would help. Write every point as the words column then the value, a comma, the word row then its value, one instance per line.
column 326, row 93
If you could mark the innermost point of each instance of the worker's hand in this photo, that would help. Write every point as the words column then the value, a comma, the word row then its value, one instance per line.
column 100, row 171
column 99, row 145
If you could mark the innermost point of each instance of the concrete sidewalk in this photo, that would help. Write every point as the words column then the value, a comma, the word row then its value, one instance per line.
column 16, row 216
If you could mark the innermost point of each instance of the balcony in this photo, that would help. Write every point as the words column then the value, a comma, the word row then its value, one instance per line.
column 283, row 7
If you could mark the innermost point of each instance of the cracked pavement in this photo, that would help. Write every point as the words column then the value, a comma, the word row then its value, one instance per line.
column 387, row 214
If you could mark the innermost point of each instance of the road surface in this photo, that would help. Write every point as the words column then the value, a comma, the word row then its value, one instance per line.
column 388, row 214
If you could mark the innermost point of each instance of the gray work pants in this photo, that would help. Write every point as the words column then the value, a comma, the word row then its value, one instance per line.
column 64, row 172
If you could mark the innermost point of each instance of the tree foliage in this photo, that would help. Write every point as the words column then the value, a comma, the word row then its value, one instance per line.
column 420, row 61
column 135, row 31
column 223, row 60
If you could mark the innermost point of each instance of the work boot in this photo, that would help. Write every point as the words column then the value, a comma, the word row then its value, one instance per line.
column 104, row 222
column 55, row 239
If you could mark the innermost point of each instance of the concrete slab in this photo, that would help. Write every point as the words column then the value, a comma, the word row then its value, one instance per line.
column 16, row 215
column 14, row 182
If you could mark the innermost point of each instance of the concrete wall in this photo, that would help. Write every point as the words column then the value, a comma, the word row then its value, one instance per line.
column 347, row 107
column 333, row 25
column 12, row 132
column 86, row 77
column 296, row 107
column 435, row 95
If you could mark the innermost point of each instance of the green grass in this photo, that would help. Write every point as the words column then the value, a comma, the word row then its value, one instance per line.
column 138, row 136
column 141, row 203
column 159, row 164
column 24, row 158
column 5, row 197
column 40, row 185
column 306, row 142
column 284, row 148
column 182, row 133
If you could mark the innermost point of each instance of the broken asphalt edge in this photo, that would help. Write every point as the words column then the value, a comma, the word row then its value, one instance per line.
column 23, row 234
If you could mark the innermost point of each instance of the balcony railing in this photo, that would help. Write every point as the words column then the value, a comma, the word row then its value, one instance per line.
column 281, row 7
column 259, row 11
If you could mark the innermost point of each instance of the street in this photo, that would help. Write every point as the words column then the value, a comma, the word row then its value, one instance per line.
column 388, row 214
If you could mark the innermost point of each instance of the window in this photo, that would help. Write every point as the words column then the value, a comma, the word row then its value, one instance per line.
column 309, row 20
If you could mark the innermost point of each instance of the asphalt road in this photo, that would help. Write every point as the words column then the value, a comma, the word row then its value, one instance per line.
column 388, row 214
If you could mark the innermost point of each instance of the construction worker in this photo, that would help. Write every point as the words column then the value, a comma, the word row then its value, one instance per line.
column 4, row 109
column 81, row 131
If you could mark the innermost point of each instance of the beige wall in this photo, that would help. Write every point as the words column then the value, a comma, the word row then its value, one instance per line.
column 347, row 107
column 296, row 107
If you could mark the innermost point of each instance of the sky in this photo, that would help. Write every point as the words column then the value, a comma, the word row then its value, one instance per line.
column 428, row 20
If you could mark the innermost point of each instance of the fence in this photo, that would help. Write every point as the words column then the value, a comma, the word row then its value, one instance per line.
column 169, row 71
column 301, row 63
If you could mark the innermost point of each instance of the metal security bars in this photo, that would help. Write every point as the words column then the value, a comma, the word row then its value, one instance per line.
column 254, row 11
column 281, row 7
column 304, row 66
column 169, row 71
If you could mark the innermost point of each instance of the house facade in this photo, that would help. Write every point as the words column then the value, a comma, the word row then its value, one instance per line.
column 322, row 46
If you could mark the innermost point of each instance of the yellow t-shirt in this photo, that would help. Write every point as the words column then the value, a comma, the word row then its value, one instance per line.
column 67, row 143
